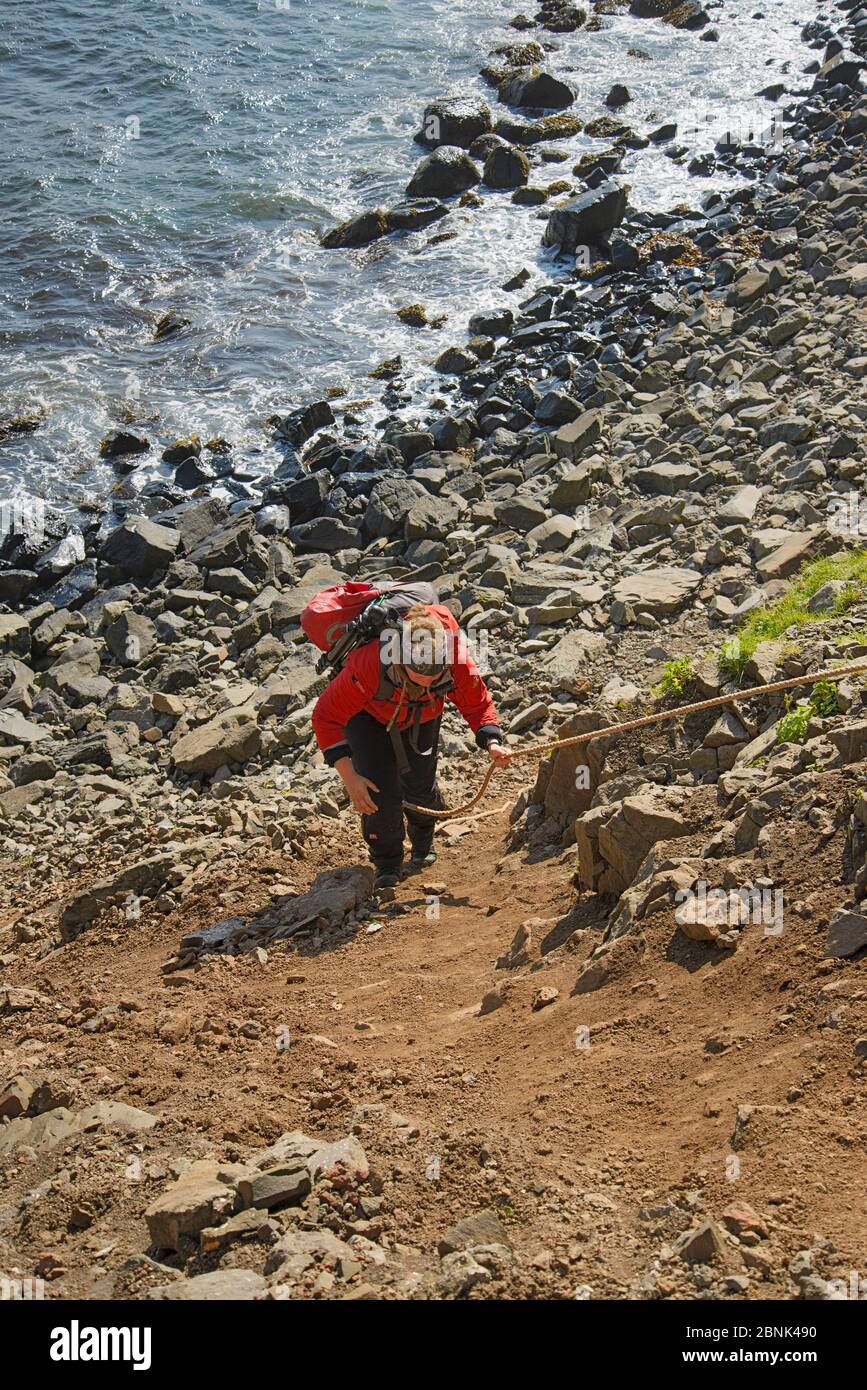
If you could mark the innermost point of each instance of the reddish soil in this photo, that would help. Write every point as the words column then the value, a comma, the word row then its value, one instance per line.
column 568, row 1141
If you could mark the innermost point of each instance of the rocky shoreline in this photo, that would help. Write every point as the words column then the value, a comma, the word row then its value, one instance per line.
column 631, row 464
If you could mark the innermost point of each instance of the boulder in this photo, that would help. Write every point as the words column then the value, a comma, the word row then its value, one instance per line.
column 534, row 584
column 557, row 408
column 850, row 741
column 195, row 1201
column 295, row 681
column 140, row 548
column 356, row 231
column 614, row 839
column 449, row 170
column 554, row 533
column 506, row 167
column 565, row 665
column 412, row 213
column 143, row 878
column 788, row 558
column 341, row 1161
column 229, row 545
column 433, row 517
column 651, row 9
column 389, row 501
column 232, row 737
column 285, row 1185
column 456, row 121
column 538, row 89
column 15, row 728
column 54, row 1127
column 847, row 933
column 332, row 897
column 324, row 534
column 618, row 96
column 520, row 514
column 197, row 520
column 121, row 443
column 587, row 219
column 130, row 638
column 300, row 425
column 563, row 793
column 482, row 1228
column 666, row 479
column 574, row 486
column 657, row 591
column 299, row 1251
column 220, row 1286
column 572, row 439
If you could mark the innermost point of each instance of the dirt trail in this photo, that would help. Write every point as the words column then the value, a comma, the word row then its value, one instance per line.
column 600, row 1126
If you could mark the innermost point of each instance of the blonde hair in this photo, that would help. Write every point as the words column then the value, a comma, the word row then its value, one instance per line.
column 420, row 618
column 424, row 635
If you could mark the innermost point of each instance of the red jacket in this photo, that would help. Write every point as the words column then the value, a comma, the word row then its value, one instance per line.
column 355, row 688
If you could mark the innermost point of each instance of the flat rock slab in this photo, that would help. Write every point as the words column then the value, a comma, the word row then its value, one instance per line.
column 847, row 933
column 222, row 1285
column 330, row 899
column 232, row 737
column 299, row 1251
column 55, row 1126
column 276, row 1187
column 657, row 591
column 14, row 728
column 567, row 661
column 483, row 1228
column 145, row 877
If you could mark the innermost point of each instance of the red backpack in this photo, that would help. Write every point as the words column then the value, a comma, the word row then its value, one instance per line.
column 345, row 616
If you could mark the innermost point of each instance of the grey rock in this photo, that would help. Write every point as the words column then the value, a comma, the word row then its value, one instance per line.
column 455, row 121
column 131, row 638
column 221, row 1285
column 506, row 167
column 587, row 219
column 449, row 170
column 537, row 89
column 139, row 547
column 482, row 1228
column 847, row 933
column 232, row 737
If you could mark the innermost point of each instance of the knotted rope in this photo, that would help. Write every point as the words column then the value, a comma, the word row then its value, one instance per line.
column 537, row 750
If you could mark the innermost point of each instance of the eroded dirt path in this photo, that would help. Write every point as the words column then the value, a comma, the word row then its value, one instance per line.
column 600, row 1126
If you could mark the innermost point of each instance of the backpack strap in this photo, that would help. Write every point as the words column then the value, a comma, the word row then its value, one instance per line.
column 387, row 687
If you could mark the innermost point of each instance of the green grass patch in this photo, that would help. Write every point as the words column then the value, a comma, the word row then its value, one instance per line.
column 792, row 728
column 824, row 699
column 821, row 704
column 676, row 677
column 770, row 623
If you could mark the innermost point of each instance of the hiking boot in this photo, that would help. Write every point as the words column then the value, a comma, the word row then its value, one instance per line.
column 386, row 879
column 388, row 875
column 421, row 859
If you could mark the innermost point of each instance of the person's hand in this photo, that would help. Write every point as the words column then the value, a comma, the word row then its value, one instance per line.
column 500, row 756
column 359, row 789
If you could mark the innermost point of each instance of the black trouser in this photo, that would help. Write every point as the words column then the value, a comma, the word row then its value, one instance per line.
column 373, row 756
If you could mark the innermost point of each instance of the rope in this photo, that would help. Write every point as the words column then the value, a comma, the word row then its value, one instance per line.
column 536, row 750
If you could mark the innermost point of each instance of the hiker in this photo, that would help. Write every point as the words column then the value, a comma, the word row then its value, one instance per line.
column 378, row 724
